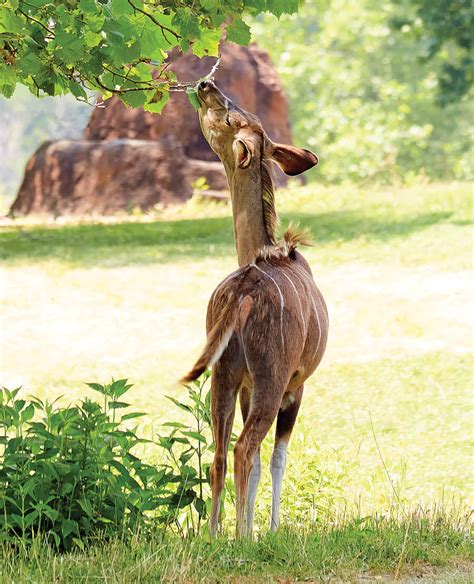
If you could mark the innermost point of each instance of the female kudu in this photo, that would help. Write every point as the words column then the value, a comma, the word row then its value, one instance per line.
column 267, row 322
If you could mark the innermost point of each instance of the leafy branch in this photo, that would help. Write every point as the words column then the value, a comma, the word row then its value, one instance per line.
column 58, row 48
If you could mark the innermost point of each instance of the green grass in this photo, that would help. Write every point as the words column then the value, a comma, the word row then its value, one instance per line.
column 386, row 422
column 369, row 549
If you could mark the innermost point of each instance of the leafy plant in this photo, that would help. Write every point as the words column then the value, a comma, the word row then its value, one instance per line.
column 108, row 46
column 187, row 452
column 71, row 474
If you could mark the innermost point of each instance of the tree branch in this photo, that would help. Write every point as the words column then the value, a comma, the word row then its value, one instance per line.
column 28, row 17
column 148, row 83
column 153, row 19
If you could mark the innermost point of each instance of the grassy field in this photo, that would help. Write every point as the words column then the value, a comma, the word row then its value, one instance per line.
column 386, row 423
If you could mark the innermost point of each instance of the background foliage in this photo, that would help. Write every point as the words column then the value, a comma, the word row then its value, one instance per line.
column 382, row 92
column 365, row 93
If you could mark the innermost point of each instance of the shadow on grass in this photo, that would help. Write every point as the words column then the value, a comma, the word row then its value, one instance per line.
column 165, row 241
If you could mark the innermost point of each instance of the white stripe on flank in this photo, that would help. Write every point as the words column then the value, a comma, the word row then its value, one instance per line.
column 221, row 347
column 315, row 309
column 282, row 301
column 297, row 296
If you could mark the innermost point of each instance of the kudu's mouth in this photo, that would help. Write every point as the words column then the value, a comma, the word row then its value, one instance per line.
column 211, row 97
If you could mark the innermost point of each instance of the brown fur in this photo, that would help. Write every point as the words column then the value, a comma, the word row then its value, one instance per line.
column 268, row 317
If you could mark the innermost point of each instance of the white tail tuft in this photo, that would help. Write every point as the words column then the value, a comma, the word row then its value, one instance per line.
column 221, row 347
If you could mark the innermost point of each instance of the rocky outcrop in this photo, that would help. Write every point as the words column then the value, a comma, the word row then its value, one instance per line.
column 131, row 158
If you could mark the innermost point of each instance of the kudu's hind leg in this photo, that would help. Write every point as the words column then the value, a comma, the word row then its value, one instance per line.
column 254, row 476
column 285, row 423
column 263, row 410
column 224, row 389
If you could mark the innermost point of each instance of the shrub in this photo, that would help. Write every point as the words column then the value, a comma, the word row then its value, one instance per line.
column 70, row 474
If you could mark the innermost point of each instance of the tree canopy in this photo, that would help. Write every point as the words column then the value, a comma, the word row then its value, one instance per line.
column 55, row 48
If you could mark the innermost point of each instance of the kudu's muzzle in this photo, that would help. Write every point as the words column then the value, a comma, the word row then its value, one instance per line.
column 212, row 97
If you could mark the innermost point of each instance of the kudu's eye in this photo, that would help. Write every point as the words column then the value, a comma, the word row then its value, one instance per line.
column 227, row 119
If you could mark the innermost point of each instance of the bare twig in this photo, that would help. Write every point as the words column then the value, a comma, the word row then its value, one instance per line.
column 185, row 85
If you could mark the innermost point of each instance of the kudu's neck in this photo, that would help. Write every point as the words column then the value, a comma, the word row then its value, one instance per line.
column 253, row 210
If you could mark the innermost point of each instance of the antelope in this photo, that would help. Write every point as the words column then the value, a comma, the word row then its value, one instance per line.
column 267, row 322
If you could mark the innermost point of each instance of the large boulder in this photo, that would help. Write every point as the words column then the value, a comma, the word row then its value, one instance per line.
column 131, row 158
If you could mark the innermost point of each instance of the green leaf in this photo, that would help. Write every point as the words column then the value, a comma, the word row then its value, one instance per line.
column 78, row 543
column 28, row 413
column 156, row 107
column 119, row 387
column 279, row 7
column 239, row 32
column 10, row 22
column 195, row 435
column 7, row 80
column 96, row 387
column 87, row 6
column 77, row 90
column 121, row 50
column 135, row 98
column 92, row 39
column 86, row 506
column 177, row 403
column 69, row 526
column 174, row 425
column 68, row 47
column 208, row 43
column 121, row 7
column 153, row 42
column 29, row 518
column 187, row 23
column 193, row 99
column 55, row 536
column 131, row 416
column 18, row 519
column 52, row 514
column 115, row 405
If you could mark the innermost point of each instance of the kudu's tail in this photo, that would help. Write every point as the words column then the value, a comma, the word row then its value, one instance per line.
column 233, row 314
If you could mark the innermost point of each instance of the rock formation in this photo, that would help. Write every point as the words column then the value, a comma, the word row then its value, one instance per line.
column 131, row 158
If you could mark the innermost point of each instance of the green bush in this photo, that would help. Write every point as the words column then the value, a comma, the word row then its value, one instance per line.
column 71, row 474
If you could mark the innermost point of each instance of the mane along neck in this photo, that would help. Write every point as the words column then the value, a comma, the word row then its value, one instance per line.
column 255, row 216
column 270, row 217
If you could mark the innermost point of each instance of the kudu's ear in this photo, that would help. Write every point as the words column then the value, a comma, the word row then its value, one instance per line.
column 242, row 152
column 293, row 160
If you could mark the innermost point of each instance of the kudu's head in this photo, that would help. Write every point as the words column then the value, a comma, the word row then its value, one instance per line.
column 238, row 138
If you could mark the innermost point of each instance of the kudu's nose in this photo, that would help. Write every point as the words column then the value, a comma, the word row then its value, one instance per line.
column 206, row 84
